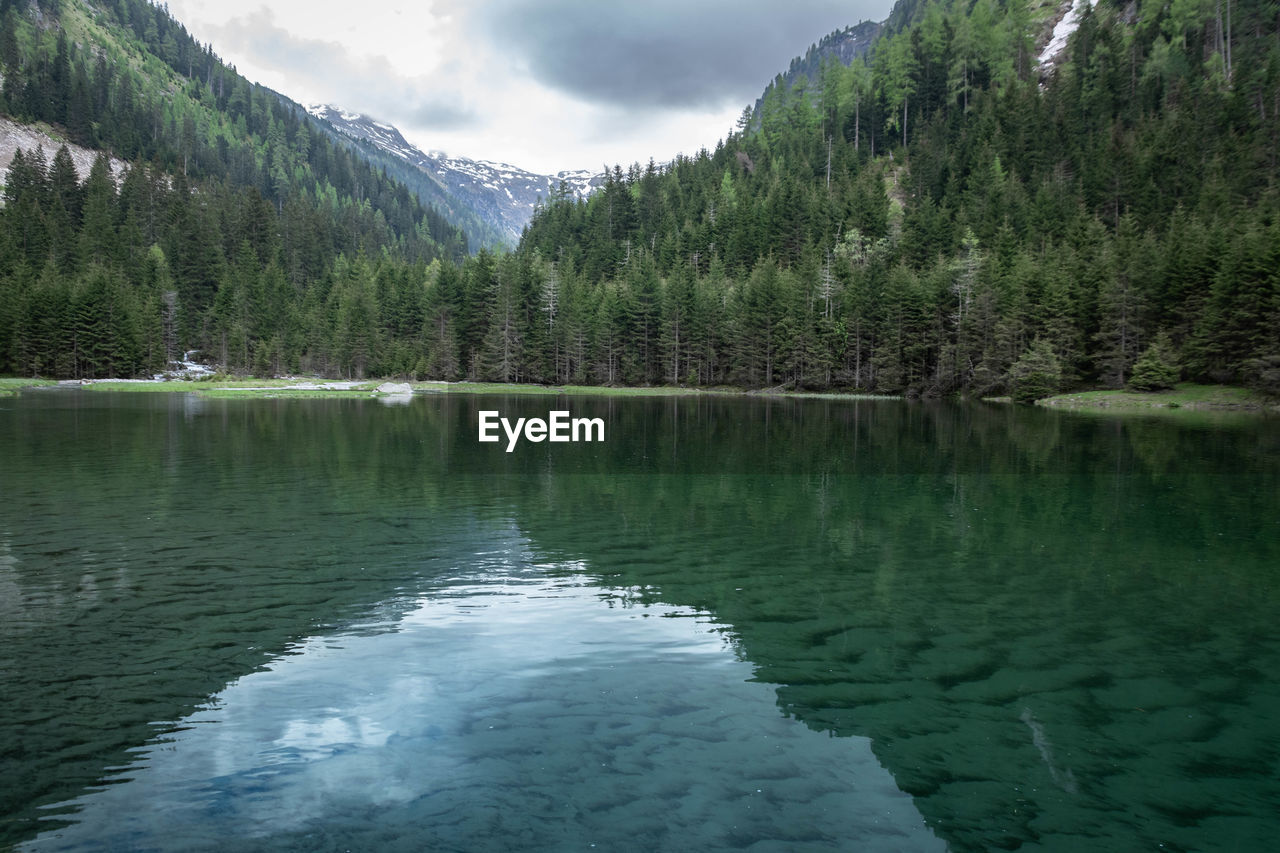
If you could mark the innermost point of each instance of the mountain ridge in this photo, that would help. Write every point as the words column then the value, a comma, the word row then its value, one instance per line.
column 843, row 45
column 998, row 190
column 500, row 194
column 237, row 228
column 941, row 218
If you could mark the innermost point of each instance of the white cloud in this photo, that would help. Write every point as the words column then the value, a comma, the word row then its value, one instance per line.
column 547, row 85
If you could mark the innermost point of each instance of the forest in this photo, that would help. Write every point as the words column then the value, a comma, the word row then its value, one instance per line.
column 939, row 218
column 919, row 221
column 228, row 233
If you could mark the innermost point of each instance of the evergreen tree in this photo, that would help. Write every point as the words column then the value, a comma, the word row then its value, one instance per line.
column 1157, row 367
column 1036, row 374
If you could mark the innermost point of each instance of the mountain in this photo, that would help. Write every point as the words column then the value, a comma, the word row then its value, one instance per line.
column 504, row 197
column 998, row 198
column 480, row 234
column 237, row 228
column 843, row 46
column 944, row 215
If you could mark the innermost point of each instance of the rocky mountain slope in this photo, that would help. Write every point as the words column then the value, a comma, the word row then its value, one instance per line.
column 502, row 196
column 15, row 136
column 843, row 46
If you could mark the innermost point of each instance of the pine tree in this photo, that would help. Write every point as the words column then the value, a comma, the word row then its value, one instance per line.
column 504, row 344
column 897, row 65
column 1157, row 368
column 678, row 311
column 443, row 295
column 1036, row 374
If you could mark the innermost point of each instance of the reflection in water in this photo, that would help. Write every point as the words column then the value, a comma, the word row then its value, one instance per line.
column 1049, row 630
column 518, row 705
column 1065, row 780
column 12, row 600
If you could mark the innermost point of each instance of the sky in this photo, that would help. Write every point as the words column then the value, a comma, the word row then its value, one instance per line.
column 544, row 85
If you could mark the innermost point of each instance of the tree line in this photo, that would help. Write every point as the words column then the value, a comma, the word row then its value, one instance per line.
column 922, row 221
column 917, row 221
column 222, row 234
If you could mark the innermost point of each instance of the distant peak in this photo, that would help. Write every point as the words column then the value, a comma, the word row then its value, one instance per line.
column 330, row 112
column 501, row 194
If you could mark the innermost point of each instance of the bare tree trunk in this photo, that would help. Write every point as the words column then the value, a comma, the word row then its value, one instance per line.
column 1222, row 50
column 857, row 354
column 828, row 164
column 1227, row 37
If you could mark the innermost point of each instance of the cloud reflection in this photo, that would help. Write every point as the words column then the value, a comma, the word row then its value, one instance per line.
column 516, row 705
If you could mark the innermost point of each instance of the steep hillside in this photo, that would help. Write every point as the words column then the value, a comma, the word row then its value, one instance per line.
column 16, row 137
column 126, row 77
column 963, row 210
column 842, row 46
column 500, row 196
column 966, row 207
column 230, row 231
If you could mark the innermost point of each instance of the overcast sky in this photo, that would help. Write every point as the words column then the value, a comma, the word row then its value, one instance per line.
column 541, row 84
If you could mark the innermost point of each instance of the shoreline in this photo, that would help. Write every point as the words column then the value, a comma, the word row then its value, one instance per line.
column 1186, row 398
column 314, row 387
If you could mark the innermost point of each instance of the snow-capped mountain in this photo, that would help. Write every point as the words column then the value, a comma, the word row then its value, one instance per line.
column 501, row 195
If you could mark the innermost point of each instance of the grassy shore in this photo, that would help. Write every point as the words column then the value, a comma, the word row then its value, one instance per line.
column 226, row 387
column 243, row 387
column 10, row 386
column 275, row 393
column 557, row 390
column 198, row 385
column 301, row 387
column 1186, row 397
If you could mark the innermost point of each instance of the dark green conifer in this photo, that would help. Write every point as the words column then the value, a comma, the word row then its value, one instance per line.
column 1157, row 368
column 1036, row 374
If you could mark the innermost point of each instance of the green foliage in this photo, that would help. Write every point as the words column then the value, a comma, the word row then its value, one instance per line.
column 1263, row 374
column 1157, row 367
column 222, row 232
column 146, row 90
column 1036, row 374
column 1124, row 193
column 910, row 223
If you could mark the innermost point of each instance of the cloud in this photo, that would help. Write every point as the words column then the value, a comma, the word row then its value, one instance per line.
column 683, row 54
column 544, row 84
column 436, row 115
column 328, row 71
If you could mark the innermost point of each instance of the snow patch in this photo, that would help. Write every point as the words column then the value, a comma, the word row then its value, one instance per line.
column 500, row 193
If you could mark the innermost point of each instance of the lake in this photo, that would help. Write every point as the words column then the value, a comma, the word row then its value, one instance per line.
column 736, row 624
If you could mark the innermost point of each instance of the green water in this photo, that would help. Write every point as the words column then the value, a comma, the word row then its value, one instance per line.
column 735, row 624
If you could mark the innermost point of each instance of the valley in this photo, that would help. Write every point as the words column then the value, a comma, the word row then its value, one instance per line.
column 925, row 489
